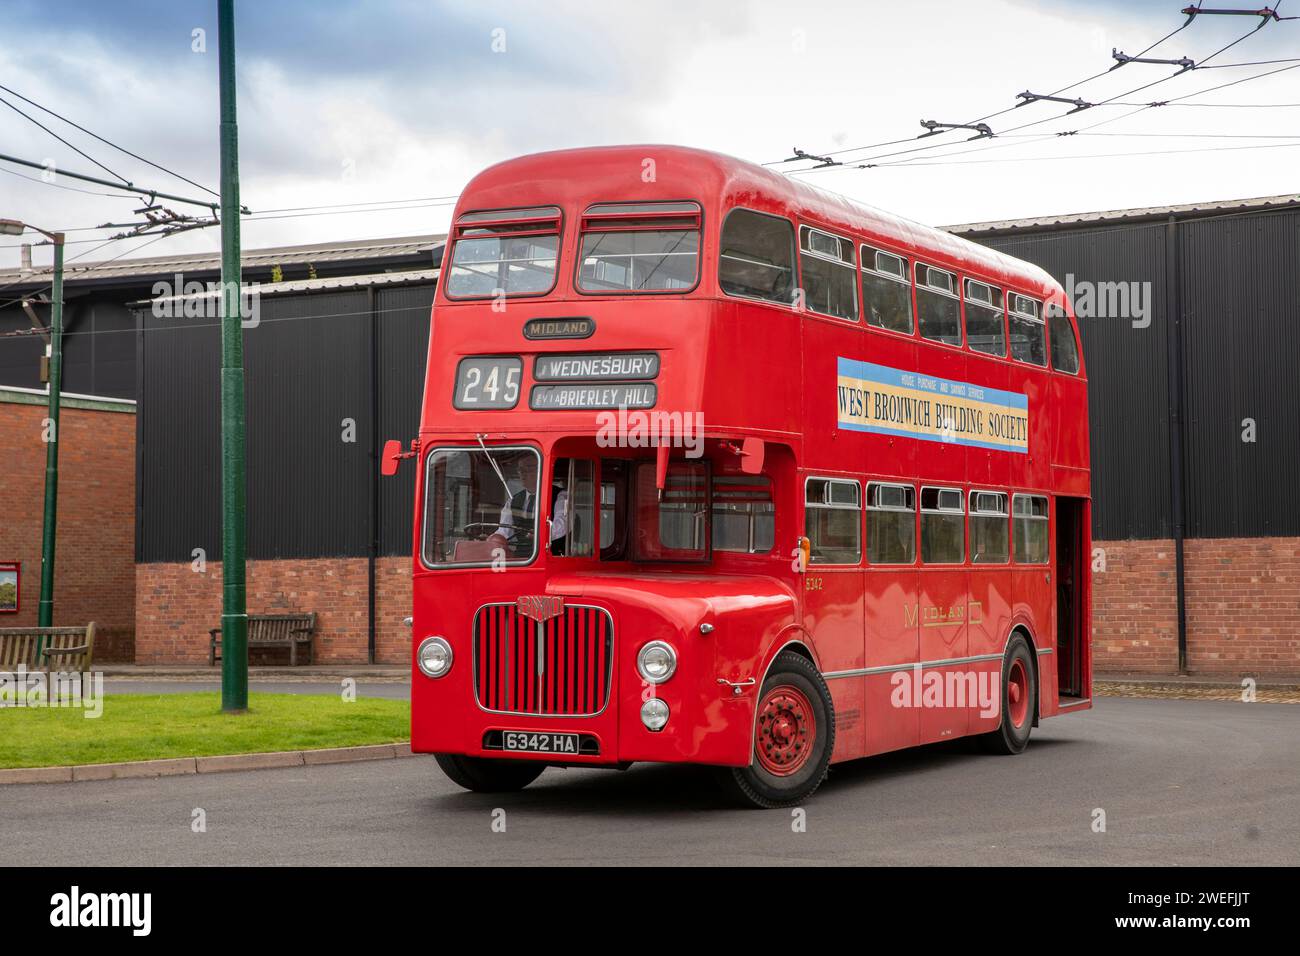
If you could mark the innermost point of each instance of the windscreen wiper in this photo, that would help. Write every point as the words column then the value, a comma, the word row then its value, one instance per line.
column 493, row 462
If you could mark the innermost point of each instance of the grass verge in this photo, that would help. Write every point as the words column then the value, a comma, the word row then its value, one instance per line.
column 150, row 727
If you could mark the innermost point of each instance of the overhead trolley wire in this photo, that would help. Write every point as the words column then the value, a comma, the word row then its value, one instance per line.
column 1112, row 101
column 79, row 152
column 872, row 161
column 1002, row 112
column 106, row 142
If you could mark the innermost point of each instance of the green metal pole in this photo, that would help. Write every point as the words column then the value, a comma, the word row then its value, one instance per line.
column 234, row 611
column 45, row 610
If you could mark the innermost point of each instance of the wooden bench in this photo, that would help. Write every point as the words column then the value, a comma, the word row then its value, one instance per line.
column 271, row 630
column 69, row 649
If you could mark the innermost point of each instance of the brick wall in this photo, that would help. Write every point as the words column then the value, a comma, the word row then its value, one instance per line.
column 1243, row 607
column 1135, row 608
column 94, row 561
column 176, row 605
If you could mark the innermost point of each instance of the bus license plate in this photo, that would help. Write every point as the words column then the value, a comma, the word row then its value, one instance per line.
column 528, row 742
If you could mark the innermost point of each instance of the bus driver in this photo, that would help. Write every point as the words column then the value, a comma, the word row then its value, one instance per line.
column 519, row 512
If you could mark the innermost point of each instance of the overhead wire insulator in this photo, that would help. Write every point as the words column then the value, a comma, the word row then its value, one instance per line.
column 1078, row 102
column 1186, row 62
column 982, row 130
column 822, row 160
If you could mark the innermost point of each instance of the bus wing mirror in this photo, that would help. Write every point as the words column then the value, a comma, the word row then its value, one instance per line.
column 751, row 456
column 391, row 457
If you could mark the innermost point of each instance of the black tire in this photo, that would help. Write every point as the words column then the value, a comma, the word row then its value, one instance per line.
column 482, row 775
column 1012, row 736
column 756, row 785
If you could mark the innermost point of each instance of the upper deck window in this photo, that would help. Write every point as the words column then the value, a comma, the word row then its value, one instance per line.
column 640, row 247
column 1028, row 333
column 830, row 282
column 756, row 258
column 984, row 329
column 886, row 291
column 504, row 252
column 937, row 306
column 1065, row 350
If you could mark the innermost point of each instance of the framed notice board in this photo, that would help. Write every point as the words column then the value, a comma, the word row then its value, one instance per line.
column 11, row 575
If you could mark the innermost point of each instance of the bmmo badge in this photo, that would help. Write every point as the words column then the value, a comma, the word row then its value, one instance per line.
column 540, row 607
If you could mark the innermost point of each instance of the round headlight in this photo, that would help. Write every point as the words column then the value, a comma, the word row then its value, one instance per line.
column 434, row 657
column 654, row 714
column 656, row 662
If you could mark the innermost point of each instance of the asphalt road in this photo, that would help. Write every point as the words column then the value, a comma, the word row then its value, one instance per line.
column 1181, row 782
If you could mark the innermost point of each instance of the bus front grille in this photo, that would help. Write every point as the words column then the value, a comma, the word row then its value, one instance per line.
column 560, row 667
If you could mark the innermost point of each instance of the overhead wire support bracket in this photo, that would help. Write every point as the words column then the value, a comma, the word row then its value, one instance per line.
column 1265, row 13
column 982, row 130
column 1078, row 103
column 1186, row 62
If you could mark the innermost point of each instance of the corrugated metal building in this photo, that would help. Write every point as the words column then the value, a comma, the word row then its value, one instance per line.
column 99, row 349
column 1195, row 444
column 335, row 364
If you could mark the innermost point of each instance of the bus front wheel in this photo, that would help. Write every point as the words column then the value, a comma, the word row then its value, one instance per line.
column 483, row 775
column 1019, row 691
column 794, row 735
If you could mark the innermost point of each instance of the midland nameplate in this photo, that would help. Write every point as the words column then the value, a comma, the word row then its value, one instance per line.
column 597, row 367
column 579, row 327
column 561, row 398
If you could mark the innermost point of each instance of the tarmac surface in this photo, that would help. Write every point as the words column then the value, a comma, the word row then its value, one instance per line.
column 1180, row 782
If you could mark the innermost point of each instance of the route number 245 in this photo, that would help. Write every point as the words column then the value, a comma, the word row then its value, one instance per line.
column 488, row 383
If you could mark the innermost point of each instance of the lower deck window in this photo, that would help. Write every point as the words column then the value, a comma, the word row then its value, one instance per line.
column 833, row 520
column 943, row 526
column 1032, row 541
column 743, row 515
column 990, row 532
column 674, row 526
column 891, row 524
column 572, row 522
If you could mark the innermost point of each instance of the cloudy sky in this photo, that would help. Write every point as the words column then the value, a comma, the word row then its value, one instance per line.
column 399, row 102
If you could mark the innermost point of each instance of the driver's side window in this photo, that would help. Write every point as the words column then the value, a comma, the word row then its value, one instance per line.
column 572, row 518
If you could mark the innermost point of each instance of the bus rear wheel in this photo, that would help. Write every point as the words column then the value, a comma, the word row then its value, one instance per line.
column 794, row 735
column 1019, row 692
column 482, row 775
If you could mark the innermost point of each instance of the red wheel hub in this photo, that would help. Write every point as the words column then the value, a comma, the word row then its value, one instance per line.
column 1018, row 693
column 785, row 731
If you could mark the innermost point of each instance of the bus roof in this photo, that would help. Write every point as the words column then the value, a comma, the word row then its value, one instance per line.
column 614, row 173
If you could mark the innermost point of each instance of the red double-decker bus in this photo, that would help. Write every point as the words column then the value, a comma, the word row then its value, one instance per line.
column 715, row 467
